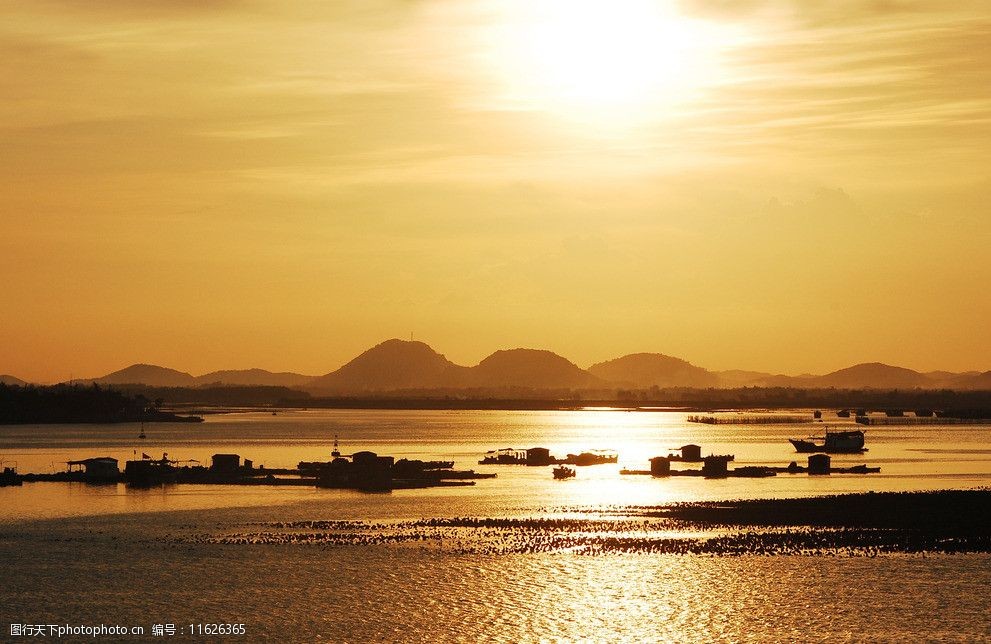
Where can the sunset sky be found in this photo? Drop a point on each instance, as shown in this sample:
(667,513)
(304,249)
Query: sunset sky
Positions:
(777,185)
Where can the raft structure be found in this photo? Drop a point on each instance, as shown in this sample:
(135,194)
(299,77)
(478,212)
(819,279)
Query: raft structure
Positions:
(716,466)
(541,456)
(361,471)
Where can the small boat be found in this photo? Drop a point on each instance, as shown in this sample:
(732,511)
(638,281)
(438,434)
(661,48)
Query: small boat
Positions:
(860,469)
(142,434)
(562,472)
(851,442)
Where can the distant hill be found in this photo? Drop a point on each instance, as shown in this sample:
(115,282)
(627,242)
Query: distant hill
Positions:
(873,375)
(401,364)
(532,368)
(733,378)
(147,374)
(253,377)
(11,380)
(396,365)
(391,365)
(870,375)
(969,381)
(943,376)
(645,370)
(795,382)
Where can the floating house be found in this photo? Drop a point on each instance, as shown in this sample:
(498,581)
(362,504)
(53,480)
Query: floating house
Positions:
(505,456)
(819,464)
(99,469)
(594,457)
(660,466)
(225,463)
(365,470)
(716,466)
(539,456)
(689,454)
(150,472)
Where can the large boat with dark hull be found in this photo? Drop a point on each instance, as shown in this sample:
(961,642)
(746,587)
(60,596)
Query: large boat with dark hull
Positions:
(846,442)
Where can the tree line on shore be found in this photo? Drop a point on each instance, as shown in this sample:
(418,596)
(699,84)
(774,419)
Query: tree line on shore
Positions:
(94,403)
(79,404)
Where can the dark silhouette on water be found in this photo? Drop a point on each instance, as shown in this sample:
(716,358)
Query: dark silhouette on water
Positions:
(842,442)
(366,470)
(689,454)
(716,466)
(9,475)
(541,456)
(101,469)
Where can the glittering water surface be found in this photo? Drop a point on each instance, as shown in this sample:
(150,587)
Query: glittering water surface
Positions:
(910,457)
(73,553)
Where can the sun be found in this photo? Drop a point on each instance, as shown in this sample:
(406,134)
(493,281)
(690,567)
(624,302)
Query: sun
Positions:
(622,62)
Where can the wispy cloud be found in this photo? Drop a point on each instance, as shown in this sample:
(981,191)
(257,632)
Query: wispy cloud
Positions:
(321,150)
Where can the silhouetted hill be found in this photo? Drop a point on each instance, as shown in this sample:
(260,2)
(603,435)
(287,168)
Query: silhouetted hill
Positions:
(869,375)
(781,380)
(396,365)
(11,380)
(872,375)
(254,377)
(147,374)
(741,378)
(653,369)
(393,364)
(943,376)
(533,368)
(969,381)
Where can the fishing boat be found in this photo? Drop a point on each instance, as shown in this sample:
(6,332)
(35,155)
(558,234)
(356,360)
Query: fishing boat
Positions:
(562,472)
(848,442)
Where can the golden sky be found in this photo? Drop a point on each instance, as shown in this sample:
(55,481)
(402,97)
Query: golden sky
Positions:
(778,185)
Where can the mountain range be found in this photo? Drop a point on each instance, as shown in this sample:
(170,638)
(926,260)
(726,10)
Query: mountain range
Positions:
(401,364)
(404,365)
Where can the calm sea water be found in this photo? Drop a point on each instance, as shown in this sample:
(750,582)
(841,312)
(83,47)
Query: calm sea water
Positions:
(81,554)
(910,457)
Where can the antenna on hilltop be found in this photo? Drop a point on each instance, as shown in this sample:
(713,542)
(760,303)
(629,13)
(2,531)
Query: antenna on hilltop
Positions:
(410,336)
